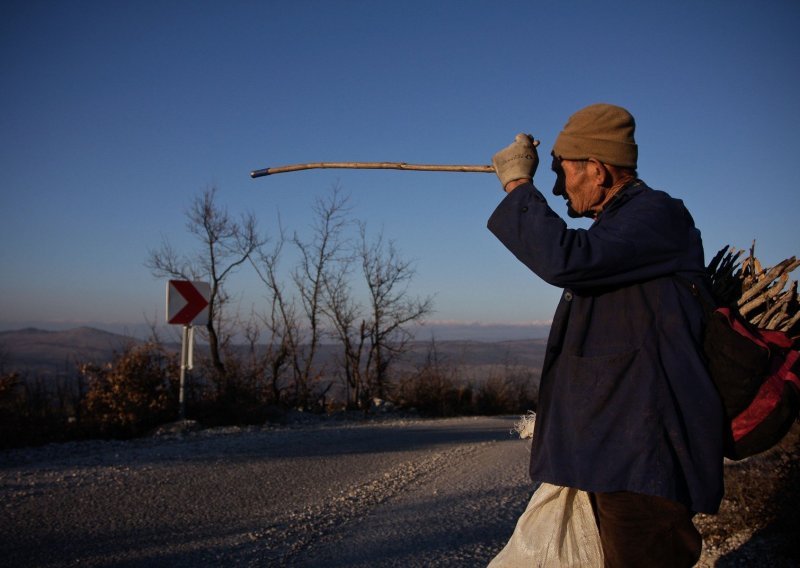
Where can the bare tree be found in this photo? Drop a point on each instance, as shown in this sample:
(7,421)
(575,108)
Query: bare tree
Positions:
(372,331)
(350,329)
(280,320)
(391,308)
(226,244)
(296,318)
(322,256)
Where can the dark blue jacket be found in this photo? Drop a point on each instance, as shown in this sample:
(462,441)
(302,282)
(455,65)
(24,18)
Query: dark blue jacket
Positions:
(625,400)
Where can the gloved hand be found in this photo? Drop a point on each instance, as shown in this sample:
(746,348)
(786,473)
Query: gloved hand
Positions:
(518,160)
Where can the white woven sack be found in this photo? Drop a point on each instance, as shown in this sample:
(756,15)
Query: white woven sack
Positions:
(557,530)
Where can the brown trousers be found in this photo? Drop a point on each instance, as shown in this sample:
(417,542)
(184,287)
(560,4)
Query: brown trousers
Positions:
(644,530)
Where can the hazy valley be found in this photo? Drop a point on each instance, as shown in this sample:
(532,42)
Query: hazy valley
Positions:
(37,352)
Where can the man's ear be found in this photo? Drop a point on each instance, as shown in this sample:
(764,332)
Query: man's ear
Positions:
(600,174)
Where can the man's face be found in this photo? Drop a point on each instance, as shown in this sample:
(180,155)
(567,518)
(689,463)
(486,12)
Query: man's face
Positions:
(577,186)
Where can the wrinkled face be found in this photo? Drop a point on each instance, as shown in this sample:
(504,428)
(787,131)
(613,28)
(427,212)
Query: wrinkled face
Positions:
(576,184)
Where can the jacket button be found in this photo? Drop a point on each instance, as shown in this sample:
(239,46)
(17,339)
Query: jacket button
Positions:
(568,296)
(524,209)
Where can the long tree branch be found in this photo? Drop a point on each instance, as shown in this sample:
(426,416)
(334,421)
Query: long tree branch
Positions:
(373,166)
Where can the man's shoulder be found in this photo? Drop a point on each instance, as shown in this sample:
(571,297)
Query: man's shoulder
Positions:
(638,189)
(639,205)
(640,194)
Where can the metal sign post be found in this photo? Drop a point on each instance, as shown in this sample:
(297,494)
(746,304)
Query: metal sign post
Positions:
(187,362)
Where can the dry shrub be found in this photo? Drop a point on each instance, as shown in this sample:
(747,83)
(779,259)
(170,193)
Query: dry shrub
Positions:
(436,390)
(10,384)
(132,394)
(31,414)
(13,411)
(433,390)
(506,393)
(238,396)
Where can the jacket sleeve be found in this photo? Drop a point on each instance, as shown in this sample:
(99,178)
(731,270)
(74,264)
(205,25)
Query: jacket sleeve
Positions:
(636,238)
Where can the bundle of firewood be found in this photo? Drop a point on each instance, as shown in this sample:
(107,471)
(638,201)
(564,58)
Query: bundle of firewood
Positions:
(764,296)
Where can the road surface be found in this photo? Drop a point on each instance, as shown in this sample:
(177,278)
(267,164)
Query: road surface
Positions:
(395,493)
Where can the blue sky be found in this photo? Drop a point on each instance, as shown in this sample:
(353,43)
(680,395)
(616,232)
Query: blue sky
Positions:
(116,114)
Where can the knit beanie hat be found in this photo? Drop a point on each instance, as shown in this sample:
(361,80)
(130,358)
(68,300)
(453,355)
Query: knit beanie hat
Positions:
(600,131)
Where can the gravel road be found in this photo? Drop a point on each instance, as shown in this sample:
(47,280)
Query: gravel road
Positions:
(394,493)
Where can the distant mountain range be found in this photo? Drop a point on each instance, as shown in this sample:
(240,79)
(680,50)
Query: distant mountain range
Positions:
(57,352)
(36,351)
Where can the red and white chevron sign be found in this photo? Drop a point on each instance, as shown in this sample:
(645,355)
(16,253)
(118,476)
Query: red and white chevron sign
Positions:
(187,302)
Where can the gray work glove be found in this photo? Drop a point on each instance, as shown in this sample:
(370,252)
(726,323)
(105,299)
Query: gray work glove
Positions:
(518,160)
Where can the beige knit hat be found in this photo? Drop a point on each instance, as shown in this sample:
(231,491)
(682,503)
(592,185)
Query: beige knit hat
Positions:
(600,131)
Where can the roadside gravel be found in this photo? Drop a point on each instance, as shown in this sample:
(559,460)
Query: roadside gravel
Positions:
(397,492)
(402,492)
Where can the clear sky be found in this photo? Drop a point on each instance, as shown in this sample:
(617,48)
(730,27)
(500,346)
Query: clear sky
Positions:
(114,115)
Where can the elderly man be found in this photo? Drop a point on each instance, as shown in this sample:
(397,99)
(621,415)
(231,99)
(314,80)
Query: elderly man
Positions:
(627,411)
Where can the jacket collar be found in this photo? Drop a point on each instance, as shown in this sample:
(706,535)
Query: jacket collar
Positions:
(634,188)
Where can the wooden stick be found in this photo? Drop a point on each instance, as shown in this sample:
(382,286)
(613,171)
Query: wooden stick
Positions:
(374,166)
(787,327)
(787,266)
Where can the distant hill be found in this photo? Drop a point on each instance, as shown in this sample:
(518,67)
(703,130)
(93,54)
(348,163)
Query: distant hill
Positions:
(477,360)
(41,352)
(528,352)
(56,352)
